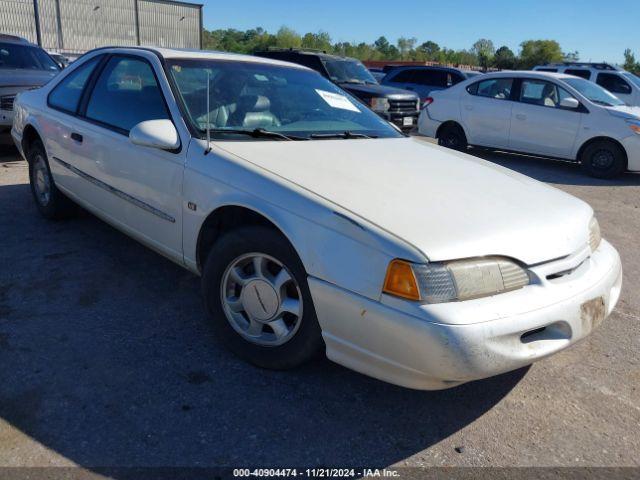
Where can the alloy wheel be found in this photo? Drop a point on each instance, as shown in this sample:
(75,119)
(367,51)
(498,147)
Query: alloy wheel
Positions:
(261,299)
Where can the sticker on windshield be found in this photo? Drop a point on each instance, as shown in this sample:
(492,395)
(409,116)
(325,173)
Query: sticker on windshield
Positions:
(336,100)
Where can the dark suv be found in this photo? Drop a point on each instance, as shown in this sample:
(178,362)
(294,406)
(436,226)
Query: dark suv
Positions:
(23,66)
(400,107)
(425,79)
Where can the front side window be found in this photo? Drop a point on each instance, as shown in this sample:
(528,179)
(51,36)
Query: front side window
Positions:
(593,92)
(632,78)
(25,57)
(542,93)
(66,95)
(614,83)
(248,96)
(498,88)
(126,93)
(578,72)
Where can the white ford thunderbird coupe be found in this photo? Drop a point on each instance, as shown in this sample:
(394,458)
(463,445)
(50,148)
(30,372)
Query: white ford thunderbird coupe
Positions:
(313,223)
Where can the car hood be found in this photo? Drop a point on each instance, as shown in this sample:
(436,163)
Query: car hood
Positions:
(368,91)
(626,112)
(448,205)
(24,78)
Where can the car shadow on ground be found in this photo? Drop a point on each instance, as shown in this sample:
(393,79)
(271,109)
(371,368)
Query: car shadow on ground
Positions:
(552,171)
(107,360)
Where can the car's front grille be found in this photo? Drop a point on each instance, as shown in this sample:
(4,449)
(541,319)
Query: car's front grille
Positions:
(6,102)
(405,106)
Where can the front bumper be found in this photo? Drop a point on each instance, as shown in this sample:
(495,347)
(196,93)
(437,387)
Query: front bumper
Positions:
(6,119)
(632,146)
(434,348)
(402,119)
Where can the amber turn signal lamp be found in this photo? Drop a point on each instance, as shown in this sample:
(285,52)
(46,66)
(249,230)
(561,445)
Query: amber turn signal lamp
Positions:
(400,281)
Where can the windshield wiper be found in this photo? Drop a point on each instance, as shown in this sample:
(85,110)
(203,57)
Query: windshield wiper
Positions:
(257,133)
(345,135)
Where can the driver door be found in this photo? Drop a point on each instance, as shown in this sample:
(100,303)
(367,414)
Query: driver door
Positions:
(139,188)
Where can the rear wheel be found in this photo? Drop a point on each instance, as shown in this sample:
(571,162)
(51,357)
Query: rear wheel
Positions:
(603,159)
(452,136)
(51,203)
(255,291)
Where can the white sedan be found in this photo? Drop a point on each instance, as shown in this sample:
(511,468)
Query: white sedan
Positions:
(314,223)
(545,114)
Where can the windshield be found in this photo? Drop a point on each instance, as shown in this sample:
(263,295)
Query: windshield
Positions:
(594,92)
(348,71)
(633,78)
(25,57)
(288,100)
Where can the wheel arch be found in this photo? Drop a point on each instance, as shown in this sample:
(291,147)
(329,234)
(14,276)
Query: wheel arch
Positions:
(450,123)
(230,217)
(29,135)
(600,138)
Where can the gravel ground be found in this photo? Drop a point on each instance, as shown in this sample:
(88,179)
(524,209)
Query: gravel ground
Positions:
(106,360)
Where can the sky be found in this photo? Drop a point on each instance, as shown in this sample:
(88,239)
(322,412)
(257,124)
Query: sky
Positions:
(598,30)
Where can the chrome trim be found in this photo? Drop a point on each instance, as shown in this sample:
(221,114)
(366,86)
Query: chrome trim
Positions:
(116,192)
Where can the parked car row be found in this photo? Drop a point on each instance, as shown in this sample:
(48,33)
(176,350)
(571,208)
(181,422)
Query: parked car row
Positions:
(400,107)
(539,113)
(22,66)
(314,223)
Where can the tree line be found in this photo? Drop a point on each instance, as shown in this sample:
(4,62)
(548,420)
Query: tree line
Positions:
(482,53)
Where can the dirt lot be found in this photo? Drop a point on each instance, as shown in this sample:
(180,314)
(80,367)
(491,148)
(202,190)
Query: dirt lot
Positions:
(106,360)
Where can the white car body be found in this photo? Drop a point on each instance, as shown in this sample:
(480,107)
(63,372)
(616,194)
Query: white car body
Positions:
(350,207)
(534,129)
(624,85)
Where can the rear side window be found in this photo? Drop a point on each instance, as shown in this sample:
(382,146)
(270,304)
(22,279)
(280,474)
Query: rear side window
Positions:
(126,94)
(405,76)
(614,83)
(66,95)
(498,88)
(435,78)
(578,72)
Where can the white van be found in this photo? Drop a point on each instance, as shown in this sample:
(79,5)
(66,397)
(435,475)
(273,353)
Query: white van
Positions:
(624,85)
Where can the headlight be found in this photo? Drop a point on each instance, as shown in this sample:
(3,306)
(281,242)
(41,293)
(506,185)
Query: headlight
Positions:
(595,237)
(455,280)
(380,105)
(634,125)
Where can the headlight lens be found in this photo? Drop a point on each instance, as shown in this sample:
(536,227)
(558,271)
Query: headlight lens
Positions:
(595,237)
(457,280)
(634,125)
(380,105)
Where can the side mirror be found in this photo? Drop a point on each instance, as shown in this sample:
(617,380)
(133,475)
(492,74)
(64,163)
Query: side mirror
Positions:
(570,102)
(159,134)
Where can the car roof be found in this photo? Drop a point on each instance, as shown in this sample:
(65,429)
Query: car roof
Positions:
(314,53)
(192,54)
(395,68)
(526,74)
(15,39)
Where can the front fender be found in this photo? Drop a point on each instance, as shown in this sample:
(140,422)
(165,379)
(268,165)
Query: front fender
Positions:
(332,245)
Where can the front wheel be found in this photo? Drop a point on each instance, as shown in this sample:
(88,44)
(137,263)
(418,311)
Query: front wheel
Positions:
(255,291)
(603,159)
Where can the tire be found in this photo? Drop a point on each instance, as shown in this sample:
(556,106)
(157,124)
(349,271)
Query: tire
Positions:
(453,137)
(51,203)
(603,159)
(243,318)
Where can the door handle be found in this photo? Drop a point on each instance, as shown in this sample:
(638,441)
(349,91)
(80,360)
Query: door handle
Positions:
(77,137)
(468,107)
(521,116)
